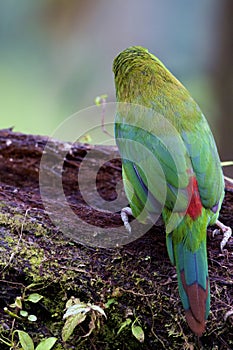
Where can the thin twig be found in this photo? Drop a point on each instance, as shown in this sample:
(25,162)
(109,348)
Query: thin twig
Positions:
(228,179)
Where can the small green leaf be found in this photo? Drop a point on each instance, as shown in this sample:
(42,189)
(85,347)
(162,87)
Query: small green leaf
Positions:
(12,305)
(97,308)
(46,344)
(124,325)
(32,318)
(100,99)
(110,302)
(18,302)
(85,138)
(23,313)
(72,301)
(138,333)
(25,340)
(34,297)
(70,325)
(76,309)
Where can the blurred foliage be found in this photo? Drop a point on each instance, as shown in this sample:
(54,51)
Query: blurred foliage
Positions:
(56,56)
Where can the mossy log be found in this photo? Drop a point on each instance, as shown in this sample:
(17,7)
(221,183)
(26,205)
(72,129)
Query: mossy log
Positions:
(137,277)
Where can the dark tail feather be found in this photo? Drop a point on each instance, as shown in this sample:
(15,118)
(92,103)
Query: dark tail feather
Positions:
(196,313)
(193,282)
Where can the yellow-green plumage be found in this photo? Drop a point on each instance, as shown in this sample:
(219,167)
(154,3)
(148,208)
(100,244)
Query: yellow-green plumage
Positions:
(170,165)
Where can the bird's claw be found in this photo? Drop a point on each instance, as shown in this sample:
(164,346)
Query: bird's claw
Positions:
(125,213)
(227,233)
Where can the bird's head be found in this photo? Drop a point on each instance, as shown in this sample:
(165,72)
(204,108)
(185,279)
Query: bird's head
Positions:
(136,70)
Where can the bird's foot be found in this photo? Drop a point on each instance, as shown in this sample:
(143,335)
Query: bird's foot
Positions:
(125,213)
(227,233)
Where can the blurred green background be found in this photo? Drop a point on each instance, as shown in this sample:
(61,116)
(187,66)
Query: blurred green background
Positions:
(56,56)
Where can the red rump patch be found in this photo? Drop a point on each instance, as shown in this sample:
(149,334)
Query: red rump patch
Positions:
(195,205)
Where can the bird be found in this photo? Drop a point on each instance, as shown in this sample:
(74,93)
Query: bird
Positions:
(170,168)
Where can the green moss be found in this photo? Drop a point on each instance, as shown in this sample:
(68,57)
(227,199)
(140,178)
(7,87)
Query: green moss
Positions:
(18,222)
(25,252)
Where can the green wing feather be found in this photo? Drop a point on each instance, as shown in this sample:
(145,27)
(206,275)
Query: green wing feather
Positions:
(206,163)
(162,168)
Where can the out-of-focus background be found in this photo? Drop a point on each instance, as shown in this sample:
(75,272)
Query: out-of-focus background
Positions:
(56,56)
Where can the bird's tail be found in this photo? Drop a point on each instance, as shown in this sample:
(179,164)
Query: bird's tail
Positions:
(193,282)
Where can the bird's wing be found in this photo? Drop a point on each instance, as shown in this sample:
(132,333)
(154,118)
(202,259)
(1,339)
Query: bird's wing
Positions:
(155,165)
(205,160)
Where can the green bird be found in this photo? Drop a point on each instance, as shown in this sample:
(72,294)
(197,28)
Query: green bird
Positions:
(170,165)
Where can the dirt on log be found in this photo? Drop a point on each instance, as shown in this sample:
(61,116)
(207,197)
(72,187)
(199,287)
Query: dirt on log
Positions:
(58,257)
